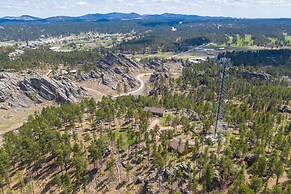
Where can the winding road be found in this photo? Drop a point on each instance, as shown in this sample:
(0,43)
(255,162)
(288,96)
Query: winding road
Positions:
(134,92)
(141,87)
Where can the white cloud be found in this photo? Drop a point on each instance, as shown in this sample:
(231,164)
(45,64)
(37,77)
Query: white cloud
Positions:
(81,3)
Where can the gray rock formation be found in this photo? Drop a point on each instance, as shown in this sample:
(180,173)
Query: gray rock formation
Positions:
(113,69)
(154,64)
(117,68)
(157,91)
(7,86)
(22,91)
(161,73)
(87,76)
(249,75)
(112,60)
(138,180)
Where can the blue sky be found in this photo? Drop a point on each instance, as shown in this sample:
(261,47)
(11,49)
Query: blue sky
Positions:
(233,8)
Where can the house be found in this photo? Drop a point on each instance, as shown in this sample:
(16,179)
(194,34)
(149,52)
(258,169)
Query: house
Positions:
(63,72)
(179,145)
(156,111)
(74,71)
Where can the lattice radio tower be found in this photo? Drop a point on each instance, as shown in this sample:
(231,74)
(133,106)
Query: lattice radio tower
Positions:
(219,125)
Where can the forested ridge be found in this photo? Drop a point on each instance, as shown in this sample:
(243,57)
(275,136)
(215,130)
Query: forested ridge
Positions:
(94,143)
(43,58)
(157,34)
(276,62)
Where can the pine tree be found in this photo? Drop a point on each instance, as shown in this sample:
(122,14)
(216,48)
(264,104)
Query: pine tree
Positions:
(256,184)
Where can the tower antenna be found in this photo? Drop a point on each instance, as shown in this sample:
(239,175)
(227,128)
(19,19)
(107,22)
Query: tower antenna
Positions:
(219,126)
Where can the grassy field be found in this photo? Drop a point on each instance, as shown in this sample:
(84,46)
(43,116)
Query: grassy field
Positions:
(15,118)
(162,55)
(248,39)
(242,41)
(288,38)
(273,40)
(120,132)
(230,40)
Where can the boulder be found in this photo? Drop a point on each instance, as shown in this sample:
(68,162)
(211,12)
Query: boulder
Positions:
(284,108)
(167,173)
(147,188)
(118,70)
(94,74)
(161,73)
(184,191)
(138,180)
(3,96)
(124,164)
(4,108)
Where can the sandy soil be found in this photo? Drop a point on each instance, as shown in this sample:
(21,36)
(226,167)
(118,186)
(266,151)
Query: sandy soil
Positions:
(13,119)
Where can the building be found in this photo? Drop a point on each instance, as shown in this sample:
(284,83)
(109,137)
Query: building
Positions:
(179,145)
(156,111)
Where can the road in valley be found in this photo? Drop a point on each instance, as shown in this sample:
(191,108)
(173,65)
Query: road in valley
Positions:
(141,87)
(134,92)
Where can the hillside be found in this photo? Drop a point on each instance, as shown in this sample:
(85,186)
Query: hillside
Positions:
(114,146)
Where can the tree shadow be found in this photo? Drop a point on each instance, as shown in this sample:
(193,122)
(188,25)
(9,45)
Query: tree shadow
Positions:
(120,185)
(48,186)
(91,174)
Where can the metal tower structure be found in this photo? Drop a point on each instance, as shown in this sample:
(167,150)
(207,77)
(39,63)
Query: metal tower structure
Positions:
(219,126)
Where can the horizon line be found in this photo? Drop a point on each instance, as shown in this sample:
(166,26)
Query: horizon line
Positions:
(145,14)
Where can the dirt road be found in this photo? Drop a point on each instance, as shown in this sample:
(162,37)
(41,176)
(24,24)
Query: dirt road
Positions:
(141,87)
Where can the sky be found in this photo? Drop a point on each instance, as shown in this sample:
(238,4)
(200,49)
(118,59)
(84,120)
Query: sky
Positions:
(230,8)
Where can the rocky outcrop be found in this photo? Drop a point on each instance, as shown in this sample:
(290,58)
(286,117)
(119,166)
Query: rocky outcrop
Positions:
(154,64)
(7,86)
(29,91)
(157,91)
(161,73)
(86,76)
(249,75)
(117,68)
(22,91)
(284,108)
(113,60)
(113,69)
(50,89)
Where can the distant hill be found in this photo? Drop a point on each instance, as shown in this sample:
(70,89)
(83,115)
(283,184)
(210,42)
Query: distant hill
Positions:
(21,18)
(108,16)
(59,19)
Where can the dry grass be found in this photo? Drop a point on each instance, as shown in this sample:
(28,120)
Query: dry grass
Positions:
(13,119)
